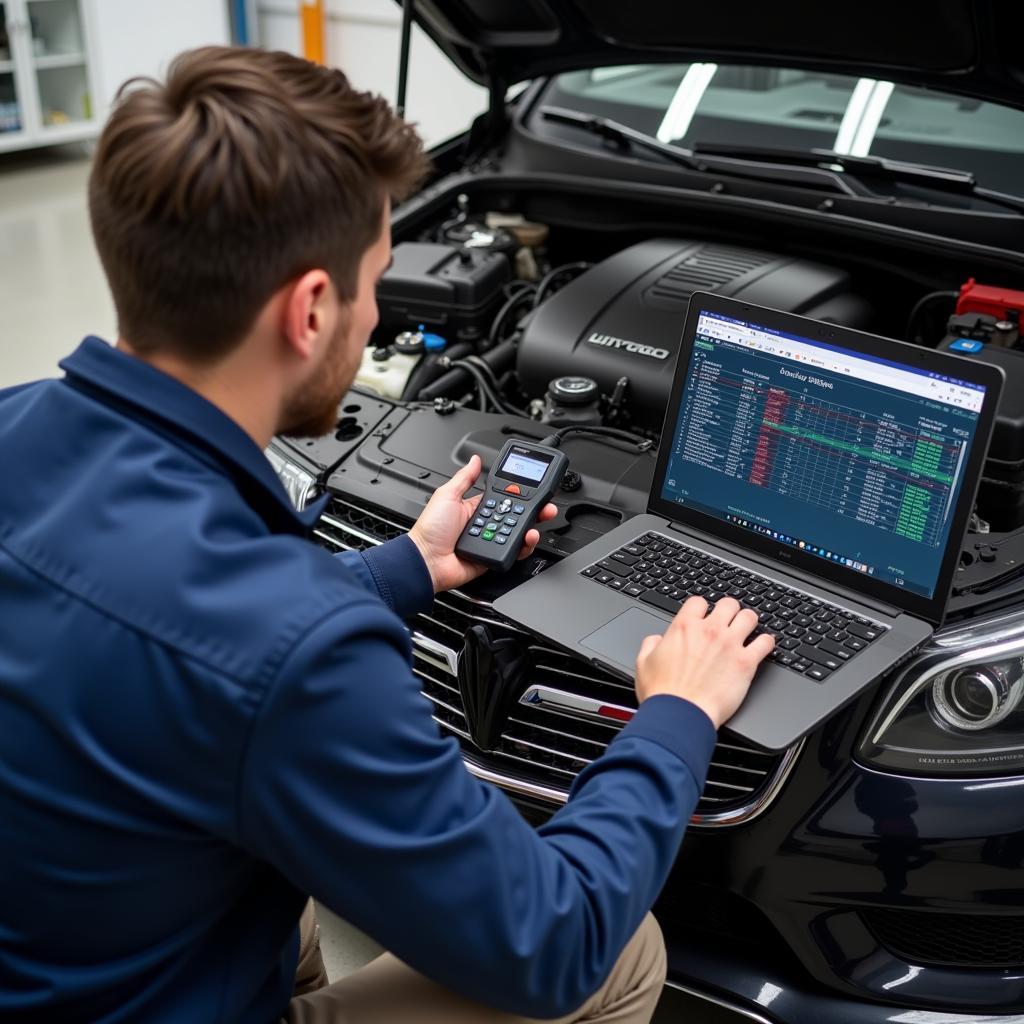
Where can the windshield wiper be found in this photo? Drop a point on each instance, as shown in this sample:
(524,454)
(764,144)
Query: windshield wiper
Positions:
(620,135)
(820,169)
(864,169)
(625,138)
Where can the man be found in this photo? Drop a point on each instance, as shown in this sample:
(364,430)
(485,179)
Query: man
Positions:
(205,719)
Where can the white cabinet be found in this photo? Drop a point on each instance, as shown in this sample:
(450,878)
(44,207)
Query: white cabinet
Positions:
(47,89)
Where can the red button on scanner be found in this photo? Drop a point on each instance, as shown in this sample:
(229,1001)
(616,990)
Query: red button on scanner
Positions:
(513,489)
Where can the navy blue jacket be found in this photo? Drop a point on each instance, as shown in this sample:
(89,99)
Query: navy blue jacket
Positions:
(205,718)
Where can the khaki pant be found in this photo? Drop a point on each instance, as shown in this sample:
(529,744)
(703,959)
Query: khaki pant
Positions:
(387,992)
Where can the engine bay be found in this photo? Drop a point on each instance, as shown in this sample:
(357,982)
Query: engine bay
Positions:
(493,325)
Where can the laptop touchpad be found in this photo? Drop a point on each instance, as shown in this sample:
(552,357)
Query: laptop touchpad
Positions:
(620,639)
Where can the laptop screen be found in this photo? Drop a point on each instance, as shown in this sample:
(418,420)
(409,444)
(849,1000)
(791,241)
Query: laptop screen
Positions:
(854,459)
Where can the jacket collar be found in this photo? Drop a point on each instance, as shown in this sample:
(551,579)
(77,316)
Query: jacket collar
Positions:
(148,395)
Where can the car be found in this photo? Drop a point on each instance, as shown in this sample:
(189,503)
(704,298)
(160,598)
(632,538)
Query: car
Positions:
(865,168)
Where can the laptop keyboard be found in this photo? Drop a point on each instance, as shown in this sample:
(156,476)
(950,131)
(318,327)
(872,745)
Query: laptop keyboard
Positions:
(812,637)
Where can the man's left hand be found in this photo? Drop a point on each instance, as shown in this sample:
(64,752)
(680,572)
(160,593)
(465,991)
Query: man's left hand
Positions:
(442,521)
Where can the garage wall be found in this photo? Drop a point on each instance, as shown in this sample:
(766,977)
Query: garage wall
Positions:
(362,38)
(140,37)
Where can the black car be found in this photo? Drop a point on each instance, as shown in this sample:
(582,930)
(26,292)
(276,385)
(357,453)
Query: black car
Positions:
(863,166)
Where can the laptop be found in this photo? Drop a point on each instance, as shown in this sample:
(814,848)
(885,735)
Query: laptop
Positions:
(818,474)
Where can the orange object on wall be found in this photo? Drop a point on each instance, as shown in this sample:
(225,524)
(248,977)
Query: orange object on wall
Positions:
(312,12)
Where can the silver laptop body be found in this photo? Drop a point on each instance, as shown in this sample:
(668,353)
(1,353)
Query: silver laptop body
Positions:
(832,467)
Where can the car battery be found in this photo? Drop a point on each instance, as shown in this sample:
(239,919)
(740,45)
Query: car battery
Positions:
(456,291)
(1002,485)
(1006,305)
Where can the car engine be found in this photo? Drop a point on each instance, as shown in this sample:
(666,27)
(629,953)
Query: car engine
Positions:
(619,322)
(584,344)
(482,312)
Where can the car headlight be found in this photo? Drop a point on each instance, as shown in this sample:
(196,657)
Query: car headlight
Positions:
(958,708)
(300,485)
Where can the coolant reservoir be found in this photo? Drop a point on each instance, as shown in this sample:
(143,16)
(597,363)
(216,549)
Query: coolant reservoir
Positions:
(387,370)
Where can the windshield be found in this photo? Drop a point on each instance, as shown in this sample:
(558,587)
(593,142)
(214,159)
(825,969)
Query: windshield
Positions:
(689,104)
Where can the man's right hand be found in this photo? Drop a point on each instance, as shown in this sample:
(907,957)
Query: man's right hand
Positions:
(703,659)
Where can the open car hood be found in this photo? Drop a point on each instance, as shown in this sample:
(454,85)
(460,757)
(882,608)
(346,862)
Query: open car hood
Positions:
(970,47)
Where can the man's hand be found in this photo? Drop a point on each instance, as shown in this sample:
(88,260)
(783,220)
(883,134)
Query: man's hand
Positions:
(704,659)
(442,521)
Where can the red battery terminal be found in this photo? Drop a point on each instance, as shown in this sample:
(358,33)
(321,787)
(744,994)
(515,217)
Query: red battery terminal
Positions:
(1002,303)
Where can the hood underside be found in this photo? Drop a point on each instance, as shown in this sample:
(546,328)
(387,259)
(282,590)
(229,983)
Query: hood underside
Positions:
(970,47)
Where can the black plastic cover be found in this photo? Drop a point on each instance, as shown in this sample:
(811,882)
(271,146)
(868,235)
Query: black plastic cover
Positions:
(442,286)
(414,450)
(624,317)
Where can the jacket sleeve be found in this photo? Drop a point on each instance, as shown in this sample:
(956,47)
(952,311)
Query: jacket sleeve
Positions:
(351,792)
(396,571)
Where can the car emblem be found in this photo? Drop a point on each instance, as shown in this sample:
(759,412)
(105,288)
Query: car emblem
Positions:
(492,674)
(625,345)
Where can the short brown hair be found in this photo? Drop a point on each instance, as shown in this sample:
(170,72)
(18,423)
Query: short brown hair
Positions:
(243,171)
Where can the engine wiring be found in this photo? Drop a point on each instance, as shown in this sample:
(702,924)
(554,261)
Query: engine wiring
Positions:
(486,392)
(919,307)
(522,296)
(555,438)
(485,368)
(547,281)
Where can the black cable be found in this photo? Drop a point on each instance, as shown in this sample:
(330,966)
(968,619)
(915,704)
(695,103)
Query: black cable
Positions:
(485,388)
(526,289)
(440,233)
(919,306)
(555,439)
(494,390)
(493,336)
(511,288)
(485,368)
(549,277)
(500,358)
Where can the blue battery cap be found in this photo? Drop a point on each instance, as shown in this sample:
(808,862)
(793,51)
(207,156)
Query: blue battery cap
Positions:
(966,345)
(432,342)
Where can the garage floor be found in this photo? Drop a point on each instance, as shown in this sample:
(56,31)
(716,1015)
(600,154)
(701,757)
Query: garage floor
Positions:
(52,290)
(53,293)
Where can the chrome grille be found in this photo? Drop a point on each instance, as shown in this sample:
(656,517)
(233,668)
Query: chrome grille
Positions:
(354,528)
(542,750)
(736,773)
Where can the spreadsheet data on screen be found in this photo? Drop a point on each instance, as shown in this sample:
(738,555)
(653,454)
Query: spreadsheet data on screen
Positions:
(856,459)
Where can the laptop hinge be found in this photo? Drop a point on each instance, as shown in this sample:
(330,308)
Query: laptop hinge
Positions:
(851,595)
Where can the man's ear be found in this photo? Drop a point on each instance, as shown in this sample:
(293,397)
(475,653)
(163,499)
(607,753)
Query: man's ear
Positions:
(309,313)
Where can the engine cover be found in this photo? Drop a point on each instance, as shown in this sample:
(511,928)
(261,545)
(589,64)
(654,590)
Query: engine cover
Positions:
(624,317)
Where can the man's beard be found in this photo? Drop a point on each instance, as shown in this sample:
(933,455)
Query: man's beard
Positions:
(313,411)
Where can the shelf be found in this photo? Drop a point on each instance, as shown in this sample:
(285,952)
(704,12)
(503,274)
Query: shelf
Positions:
(72,131)
(58,60)
(74,127)
(51,135)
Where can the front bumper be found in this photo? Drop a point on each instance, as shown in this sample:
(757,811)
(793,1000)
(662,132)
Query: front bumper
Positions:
(784,918)
(750,992)
(940,857)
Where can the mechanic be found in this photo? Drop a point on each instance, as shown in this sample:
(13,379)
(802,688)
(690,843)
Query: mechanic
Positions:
(205,718)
